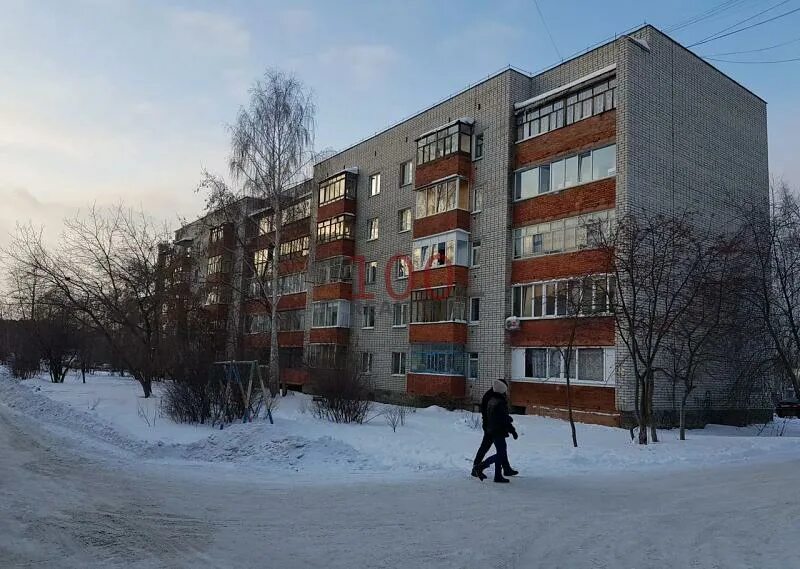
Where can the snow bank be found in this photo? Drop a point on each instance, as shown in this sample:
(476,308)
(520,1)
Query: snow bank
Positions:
(110,411)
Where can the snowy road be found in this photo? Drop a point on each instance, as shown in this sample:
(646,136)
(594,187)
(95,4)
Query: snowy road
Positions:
(60,508)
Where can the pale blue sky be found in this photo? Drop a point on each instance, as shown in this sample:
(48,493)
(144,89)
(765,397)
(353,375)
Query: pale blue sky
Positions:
(102,99)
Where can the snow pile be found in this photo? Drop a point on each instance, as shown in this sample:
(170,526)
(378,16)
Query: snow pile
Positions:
(110,411)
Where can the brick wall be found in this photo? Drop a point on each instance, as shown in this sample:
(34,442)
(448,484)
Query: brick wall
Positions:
(331,291)
(458,163)
(437,333)
(441,222)
(546,332)
(560,265)
(588,398)
(586,198)
(329,336)
(431,385)
(449,275)
(345,205)
(341,247)
(582,135)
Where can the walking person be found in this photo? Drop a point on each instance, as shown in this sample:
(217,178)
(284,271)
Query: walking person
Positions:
(497,425)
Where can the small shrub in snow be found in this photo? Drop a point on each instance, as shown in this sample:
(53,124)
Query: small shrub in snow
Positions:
(393,417)
(148,414)
(342,396)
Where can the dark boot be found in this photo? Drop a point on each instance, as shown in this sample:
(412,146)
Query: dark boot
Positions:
(508,471)
(478,473)
(501,480)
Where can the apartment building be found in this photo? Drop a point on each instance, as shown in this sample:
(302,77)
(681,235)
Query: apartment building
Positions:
(437,253)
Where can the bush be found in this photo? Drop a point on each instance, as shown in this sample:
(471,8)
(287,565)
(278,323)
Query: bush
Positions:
(212,400)
(342,396)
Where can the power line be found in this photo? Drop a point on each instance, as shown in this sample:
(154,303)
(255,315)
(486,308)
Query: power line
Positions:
(757,62)
(721,35)
(777,45)
(710,13)
(536,3)
(749,18)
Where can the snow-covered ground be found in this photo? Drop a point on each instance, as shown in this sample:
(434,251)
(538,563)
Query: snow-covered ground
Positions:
(86,482)
(109,411)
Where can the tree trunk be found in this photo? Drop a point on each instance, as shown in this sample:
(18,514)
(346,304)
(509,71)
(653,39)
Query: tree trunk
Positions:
(643,418)
(147,387)
(569,413)
(682,419)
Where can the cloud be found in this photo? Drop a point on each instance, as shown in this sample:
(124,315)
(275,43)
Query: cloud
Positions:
(210,32)
(362,63)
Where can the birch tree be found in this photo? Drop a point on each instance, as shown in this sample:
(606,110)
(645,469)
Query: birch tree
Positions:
(271,152)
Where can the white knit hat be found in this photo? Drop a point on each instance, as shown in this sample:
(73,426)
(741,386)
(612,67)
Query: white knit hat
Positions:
(499,386)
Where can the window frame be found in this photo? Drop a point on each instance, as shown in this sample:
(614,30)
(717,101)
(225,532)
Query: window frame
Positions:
(406,173)
(373,223)
(473,305)
(402,364)
(368,317)
(374,188)
(404,312)
(401,228)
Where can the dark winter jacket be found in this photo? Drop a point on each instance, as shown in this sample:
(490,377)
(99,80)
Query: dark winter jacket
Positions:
(498,421)
(484,402)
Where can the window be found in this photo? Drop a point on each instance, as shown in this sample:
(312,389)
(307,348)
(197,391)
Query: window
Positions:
(401,268)
(472,368)
(290,357)
(369,317)
(375,184)
(445,141)
(216,234)
(294,248)
(477,199)
(266,225)
(477,151)
(338,187)
(437,358)
(371,272)
(591,365)
(287,284)
(398,363)
(442,304)
(406,173)
(584,296)
(334,270)
(474,309)
(216,264)
(562,235)
(373,227)
(451,248)
(366,362)
(339,227)
(331,313)
(400,314)
(262,262)
(329,356)
(573,170)
(216,295)
(443,196)
(404,220)
(297,211)
(475,258)
(292,320)
(257,324)
(587,102)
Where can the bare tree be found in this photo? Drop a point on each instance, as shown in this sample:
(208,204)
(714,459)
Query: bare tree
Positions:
(585,296)
(271,152)
(654,260)
(773,245)
(105,270)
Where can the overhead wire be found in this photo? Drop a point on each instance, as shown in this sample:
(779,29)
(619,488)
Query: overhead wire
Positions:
(720,35)
(547,29)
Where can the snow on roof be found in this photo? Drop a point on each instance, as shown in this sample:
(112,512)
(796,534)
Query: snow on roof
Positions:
(467,120)
(562,88)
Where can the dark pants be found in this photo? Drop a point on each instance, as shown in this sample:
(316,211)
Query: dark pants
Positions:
(499,458)
(486,444)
